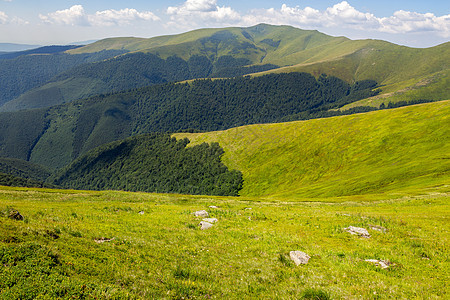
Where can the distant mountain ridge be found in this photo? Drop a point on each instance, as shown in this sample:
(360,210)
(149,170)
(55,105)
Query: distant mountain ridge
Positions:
(11,47)
(413,73)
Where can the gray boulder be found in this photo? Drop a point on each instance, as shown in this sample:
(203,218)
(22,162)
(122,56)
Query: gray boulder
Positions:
(210,220)
(384,264)
(201,213)
(299,257)
(205,225)
(362,232)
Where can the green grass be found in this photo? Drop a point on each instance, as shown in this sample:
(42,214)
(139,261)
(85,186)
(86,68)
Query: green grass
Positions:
(163,254)
(363,154)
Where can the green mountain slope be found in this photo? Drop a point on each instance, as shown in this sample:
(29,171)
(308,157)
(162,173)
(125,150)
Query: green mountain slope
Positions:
(252,50)
(55,136)
(375,152)
(412,73)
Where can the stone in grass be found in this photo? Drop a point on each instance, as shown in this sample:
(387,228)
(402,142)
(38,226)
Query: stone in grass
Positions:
(201,213)
(15,215)
(299,257)
(213,206)
(103,239)
(384,264)
(378,228)
(358,231)
(210,220)
(141,212)
(205,225)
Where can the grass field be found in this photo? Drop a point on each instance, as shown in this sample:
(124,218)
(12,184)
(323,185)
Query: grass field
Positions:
(153,248)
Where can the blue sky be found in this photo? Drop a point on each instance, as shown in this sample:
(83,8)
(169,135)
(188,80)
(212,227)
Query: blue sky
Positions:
(412,23)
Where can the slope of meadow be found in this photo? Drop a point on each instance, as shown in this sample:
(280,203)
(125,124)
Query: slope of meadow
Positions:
(117,245)
(376,152)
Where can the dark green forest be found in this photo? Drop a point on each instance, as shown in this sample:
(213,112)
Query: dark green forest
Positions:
(23,169)
(10,180)
(153,163)
(51,76)
(56,136)
(136,70)
(22,73)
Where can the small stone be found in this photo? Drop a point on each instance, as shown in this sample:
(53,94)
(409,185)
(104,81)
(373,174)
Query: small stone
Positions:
(210,220)
(141,212)
(358,231)
(15,215)
(213,206)
(384,264)
(103,239)
(299,257)
(248,208)
(205,225)
(378,228)
(201,213)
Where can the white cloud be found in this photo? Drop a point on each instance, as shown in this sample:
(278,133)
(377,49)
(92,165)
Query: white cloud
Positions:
(202,12)
(405,22)
(3,18)
(76,16)
(71,16)
(343,15)
(121,17)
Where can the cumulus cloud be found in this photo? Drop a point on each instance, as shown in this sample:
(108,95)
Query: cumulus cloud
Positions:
(202,12)
(76,16)
(121,17)
(343,15)
(3,18)
(405,21)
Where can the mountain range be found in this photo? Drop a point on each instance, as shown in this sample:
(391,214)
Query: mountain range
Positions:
(58,103)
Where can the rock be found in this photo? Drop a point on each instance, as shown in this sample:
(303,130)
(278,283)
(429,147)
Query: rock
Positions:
(384,264)
(141,212)
(205,225)
(213,206)
(299,257)
(201,213)
(248,208)
(15,215)
(102,240)
(210,220)
(378,228)
(358,231)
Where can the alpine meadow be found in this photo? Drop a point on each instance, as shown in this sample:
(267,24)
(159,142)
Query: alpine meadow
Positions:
(262,162)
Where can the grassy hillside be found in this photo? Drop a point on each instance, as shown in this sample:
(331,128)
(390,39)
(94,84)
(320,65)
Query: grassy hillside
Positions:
(82,125)
(299,50)
(403,73)
(376,152)
(116,245)
(253,49)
